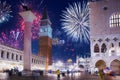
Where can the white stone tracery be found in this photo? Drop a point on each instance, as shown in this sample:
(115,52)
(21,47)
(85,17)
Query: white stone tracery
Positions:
(109,55)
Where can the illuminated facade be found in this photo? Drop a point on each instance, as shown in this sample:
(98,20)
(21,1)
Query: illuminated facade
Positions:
(105,34)
(11,58)
(83,62)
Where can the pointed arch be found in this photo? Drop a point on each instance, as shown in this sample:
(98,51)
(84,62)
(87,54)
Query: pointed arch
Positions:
(103,48)
(96,48)
(111,45)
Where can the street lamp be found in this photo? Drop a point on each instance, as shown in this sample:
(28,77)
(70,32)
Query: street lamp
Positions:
(59,63)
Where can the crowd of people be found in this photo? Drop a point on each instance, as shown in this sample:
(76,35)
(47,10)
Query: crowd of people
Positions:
(100,73)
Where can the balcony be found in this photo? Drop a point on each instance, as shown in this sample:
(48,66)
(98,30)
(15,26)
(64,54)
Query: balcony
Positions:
(99,54)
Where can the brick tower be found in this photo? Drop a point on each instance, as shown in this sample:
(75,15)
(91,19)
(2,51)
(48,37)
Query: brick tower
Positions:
(45,39)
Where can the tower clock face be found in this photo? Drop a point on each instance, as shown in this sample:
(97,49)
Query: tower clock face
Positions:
(46,31)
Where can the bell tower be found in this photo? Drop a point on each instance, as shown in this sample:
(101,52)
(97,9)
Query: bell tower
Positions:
(45,39)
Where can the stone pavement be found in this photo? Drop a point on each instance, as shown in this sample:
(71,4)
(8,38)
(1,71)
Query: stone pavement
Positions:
(54,77)
(67,77)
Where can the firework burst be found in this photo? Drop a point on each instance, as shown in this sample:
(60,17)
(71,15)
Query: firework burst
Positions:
(14,38)
(36,24)
(5,11)
(75,22)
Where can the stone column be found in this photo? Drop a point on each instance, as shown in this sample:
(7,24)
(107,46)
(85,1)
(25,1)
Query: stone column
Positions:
(28,17)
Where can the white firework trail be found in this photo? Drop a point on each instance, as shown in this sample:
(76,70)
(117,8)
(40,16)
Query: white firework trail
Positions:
(5,11)
(75,22)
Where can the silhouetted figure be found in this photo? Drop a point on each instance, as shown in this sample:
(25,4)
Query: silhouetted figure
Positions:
(68,72)
(58,74)
(101,74)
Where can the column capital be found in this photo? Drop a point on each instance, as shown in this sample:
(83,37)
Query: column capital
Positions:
(28,16)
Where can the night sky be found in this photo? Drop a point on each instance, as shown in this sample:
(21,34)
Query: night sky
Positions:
(54,7)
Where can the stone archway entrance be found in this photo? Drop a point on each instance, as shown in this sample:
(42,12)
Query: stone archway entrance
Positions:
(100,65)
(115,66)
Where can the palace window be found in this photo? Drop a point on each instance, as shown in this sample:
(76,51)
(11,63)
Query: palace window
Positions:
(103,48)
(2,54)
(32,60)
(12,56)
(112,45)
(119,44)
(96,48)
(16,57)
(20,57)
(7,55)
(115,20)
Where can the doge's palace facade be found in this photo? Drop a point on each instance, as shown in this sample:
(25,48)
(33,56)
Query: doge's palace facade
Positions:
(105,34)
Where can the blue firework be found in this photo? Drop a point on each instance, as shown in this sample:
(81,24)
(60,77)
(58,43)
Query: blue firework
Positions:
(75,22)
(5,11)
